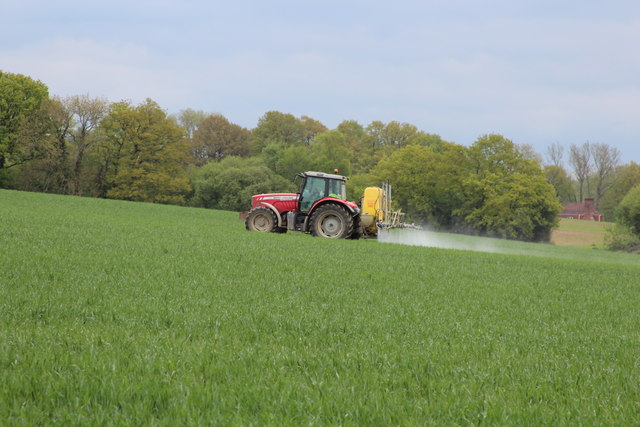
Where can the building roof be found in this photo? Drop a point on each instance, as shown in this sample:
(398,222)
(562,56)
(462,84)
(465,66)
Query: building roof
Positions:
(583,208)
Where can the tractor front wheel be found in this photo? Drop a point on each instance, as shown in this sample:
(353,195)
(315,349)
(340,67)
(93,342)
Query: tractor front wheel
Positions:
(331,220)
(262,219)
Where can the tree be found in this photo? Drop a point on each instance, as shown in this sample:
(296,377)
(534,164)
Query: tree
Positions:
(288,161)
(48,130)
(628,211)
(361,154)
(517,206)
(278,127)
(330,151)
(149,153)
(558,177)
(506,194)
(427,183)
(86,113)
(20,99)
(311,128)
(393,135)
(580,160)
(230,183)
(555,153)
(529,152)
(605,161)
(216,138)
(190,120)
(625,178)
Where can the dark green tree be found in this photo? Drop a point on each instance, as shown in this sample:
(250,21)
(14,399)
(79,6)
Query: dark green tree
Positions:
(330,152)
(48,133)
(507,194)
(311,128)
(20,100)
(277,127)
(628,211)
(624,179)
(427,184)
(288,161)
(362,160)
(216,137)
(230,183)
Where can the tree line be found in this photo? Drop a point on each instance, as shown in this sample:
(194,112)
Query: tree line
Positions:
(88,146)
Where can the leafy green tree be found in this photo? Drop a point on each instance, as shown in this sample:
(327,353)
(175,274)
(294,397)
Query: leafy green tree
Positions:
(48,133)
(330,151)
(149,153)
(429,140)
(427,184)
(119,129)
(628,211)
(190,120)
(624,179)
(277,127)
(362,159)
(381,140)
(20,99)
(216,138)
(558,177)
(288,161)
(359,182)
(506,194)
(516,206)
(311,128)
(230,183)
(528,152)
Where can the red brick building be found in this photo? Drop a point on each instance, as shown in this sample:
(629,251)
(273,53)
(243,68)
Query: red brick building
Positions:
(585,210)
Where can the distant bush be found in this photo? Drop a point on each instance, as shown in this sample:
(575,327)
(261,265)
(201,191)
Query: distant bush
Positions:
(620,238)
(628,211)
(230,183)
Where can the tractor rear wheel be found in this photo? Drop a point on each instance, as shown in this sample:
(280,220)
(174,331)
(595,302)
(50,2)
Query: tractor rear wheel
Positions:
(262,219)
(331,220)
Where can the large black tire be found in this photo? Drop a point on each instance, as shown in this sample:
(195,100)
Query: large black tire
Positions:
(262,219)
(333,221)
(357,228)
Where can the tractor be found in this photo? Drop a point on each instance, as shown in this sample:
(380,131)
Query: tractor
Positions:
(320,207)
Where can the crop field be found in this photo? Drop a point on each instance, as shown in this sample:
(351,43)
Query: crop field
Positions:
(573,232)
(125,313)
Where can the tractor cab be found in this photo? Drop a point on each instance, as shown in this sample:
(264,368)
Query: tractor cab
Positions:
(315,186)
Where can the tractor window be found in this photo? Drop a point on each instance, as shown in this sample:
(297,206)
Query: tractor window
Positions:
(336,189)
(314,190)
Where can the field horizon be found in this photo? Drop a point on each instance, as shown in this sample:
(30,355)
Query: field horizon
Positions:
(117,312)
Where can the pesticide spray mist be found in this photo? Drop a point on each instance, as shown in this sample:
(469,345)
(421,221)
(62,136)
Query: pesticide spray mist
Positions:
(437,240)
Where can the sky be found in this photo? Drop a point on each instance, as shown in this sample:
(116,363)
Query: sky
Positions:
(536,71)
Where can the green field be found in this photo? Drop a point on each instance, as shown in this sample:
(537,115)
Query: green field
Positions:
(573,232)
(125,313)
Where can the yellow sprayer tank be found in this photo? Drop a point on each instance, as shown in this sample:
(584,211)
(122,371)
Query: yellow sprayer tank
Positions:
(372,207)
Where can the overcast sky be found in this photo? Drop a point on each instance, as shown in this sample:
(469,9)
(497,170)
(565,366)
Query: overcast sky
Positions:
(536,71)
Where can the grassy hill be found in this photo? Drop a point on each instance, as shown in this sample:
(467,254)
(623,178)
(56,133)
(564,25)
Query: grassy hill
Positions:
(115,312)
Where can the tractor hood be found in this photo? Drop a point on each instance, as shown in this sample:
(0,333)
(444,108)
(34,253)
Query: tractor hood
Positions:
(275,196)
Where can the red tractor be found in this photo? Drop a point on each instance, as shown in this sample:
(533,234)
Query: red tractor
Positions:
(320,207)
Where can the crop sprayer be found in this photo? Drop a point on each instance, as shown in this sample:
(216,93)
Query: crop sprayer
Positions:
(321,208)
